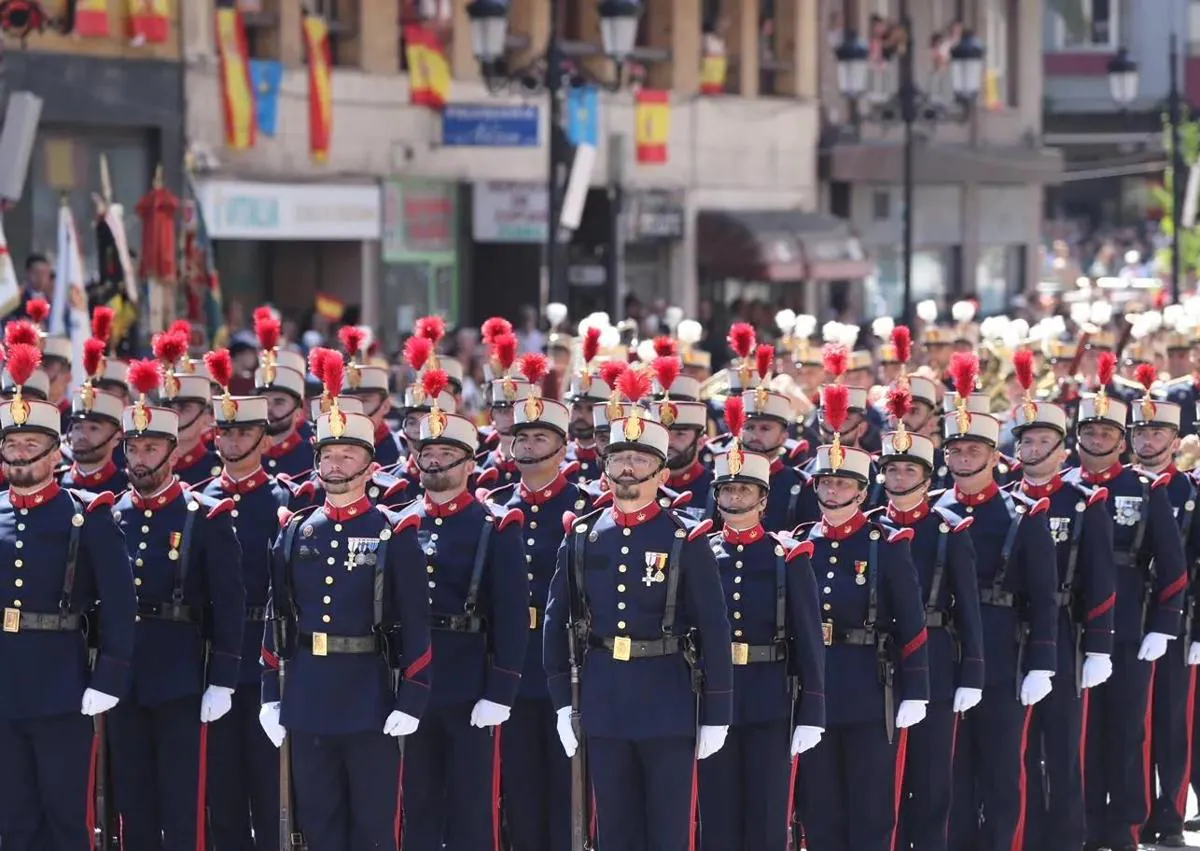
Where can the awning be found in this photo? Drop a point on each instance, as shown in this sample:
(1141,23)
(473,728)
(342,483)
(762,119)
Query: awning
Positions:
(778,245)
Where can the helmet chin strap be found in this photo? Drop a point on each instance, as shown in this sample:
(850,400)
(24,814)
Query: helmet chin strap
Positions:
(341,480)
(28,461)
(637,481)
(237,459)
(892,494)
(971,474)
(1150,459)
(153,469)
(448,467)
(1033,462)
(836,506)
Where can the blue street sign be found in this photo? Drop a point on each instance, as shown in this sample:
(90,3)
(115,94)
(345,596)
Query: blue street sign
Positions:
(490,126)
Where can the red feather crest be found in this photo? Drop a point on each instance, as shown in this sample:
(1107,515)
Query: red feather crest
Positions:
(666,370)
(1145,374)
(183,328)
(352,338)
(145,376)
(38,309)
(964,369)
(23,359)
(902,340)
(835,403)
(417,350)
(611,372)
(899,401)
(494,327)
(102,320)
(433,382)
(504,350)
(333,373)
(835,358)
(735,415)
(267,328)
(220,367)
(665,346)
(1106,367)
(316,362)
(635,384)
(1023,365)
(262,312)
(21,333)
(432,328)
(591,344)
(169,346)
(764,358)
(534,367)
(741,338)
(93,355)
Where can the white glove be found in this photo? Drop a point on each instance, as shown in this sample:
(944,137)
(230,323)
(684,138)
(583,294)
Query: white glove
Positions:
(1035,686)
(966,698)
(95,702)
(710,740)
(487,713)
(1194,653)
(806,738)
(400,724)
(1154,645)
(911,712)
(216,702)
(1097,668)
(268,719)
(566,734)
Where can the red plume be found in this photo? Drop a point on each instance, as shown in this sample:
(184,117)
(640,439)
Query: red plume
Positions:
(591,344)
(741,338)
(20,333)
(665,347)
(262,312)
(1106,367)
(433,382)
(899,401)
(144,375)
(220,366)
(93,354)
(836,405)
(316,363)
(23,359)
(417,350)
(495,327)
(169,346)
(902,340)
(964,369)
(183,328)
(333,372)
(611,372)
(666,370)
(1145,374)
(735,415)
(764,357)
(352,338)
(635,384)
(432,328)
(1023,365)
(835,358)
(504,350)
(534,367)
(102,319)
(37,309)
(267,327)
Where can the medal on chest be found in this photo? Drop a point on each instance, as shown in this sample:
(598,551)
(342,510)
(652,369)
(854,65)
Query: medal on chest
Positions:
(361,551)
(1127,510)
(860,573)
(656,566)
(1060,529)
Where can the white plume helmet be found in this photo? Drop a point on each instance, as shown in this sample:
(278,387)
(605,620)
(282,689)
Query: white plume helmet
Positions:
(994,328)
(785,321)
(1020,328)
(927,310)
(672,316)
(1191,306)
(1056,326)
(610,337)
(1101,312)
(556,313)
(1139,330)
(594,320)
(849,336)
(963,311)
(805,325)
(689,332)
(1153,320)
(645,350)
(831,332)
(1081,311)
(882,327)
(1172,314)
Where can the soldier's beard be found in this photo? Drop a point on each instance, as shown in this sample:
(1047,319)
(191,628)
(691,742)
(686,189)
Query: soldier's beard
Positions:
(87,454)
(625,490)
(27,476)
(681,460)
(337,486)
(147,480)
(280,426)
(581,430)
(438,481)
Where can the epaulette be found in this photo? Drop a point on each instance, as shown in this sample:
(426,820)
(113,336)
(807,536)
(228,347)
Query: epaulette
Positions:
(1093,495)
(570,468)
(952,520)
(804,528)
(792,548)
(896,536)
(285,516)
(700,530)
(1032,507)
(481,495)
(572,523)
(223,507)
(491,439)
(506,517)
(1183,382)
(799,449)
(682,499)
(487,477)
(603,499)
(100,500)
(410,519)
(1160,481)
(399,487)
(1125,384)
(937,493)
(497,495)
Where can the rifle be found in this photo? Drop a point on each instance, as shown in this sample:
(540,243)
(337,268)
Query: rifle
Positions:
(290,839)
(581,799)
(105,837)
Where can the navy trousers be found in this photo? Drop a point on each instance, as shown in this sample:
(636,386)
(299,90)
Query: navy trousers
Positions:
(44,784)
(451,782)
(1116,778)
(929,780)
(644,785)
(989,774)
(745,790)
(347,791)
(849,788)
(1171,737)
(243,778)
(155,754)
(536,777)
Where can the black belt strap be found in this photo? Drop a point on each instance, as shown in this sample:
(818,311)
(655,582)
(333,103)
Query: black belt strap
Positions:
(1067,591)
(673,571)
(1010,541)
(753,654)
(185,543)
(933,602)
(380,575)
(458,623)
(860,637)
(793,498)
(179,612)
(639,649)
(1139,533)
(780,597)
(343,644)
(481,551)
(56,622)
(68,587)
(257,614)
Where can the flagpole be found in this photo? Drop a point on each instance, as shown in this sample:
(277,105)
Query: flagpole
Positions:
(554,288)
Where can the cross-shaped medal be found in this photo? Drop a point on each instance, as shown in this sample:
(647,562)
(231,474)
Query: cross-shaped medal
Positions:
(350,559)
(648,579)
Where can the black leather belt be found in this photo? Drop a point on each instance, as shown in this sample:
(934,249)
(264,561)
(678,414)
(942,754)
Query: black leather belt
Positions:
(1064,599)
(937,619)
(168,612)
(992,597)
(323,644)
(861,637)
(752,654)
(623,649)
(458,623)
(257,614)
(1123,559)
(16,620)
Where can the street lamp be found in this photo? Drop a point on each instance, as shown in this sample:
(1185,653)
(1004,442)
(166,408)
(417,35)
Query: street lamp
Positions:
(910,105)
(1123,78)
(555,73)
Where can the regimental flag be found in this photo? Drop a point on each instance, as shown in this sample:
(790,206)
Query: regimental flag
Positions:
(330,307)
(10,287)
(68,276)
(653,117)
(149,21)
(991,90)
(91,18)
(267,78)
(712,74)
(237,88)
(199,270)
(583,115)
(320,87)
(428,69)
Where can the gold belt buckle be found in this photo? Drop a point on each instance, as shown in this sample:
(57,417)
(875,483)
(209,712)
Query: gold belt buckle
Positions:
(827,633)
(622,648)
(12,620)
(741,653)
(320,644)
(533,613)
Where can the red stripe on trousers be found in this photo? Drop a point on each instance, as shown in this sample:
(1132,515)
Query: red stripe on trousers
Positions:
(1181,796)
(1147,724)
(496,788)
(91,790)
(201,792)
(1019,834)
(1087,693)
(692,808)
(898,780)
(791,805)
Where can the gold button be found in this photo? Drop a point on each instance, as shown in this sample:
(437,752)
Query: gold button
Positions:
(141,546)
(333,544)
(621,568)
(137,580)
(18,582)
(970,509)
(833,544)
(624,551)
(827,590)
(429,568)
(826,607)
(833,559)
(148,513)
(18,563)
(737,595)
(22,543)
(621,589)
(327,600)
(737,633)
(621,606)
(737,616)
(532,524)
(620,624)
(328,580)
(326,618)
(330,560)
(437,521)
(534,509)
(337,527)
(626,531)
(530,575)
(17,603)
(237,497)
(139,562)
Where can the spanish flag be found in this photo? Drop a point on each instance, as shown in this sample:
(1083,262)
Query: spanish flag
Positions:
(428,70)
(237,90)
(91,18)
(320,87)
(653,126)
(149,21)
(330,307)
(712,74)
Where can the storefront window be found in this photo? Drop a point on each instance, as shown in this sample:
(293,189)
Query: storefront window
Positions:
(933,272)
(999,275)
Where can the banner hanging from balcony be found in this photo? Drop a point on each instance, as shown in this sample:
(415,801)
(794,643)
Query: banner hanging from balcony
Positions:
(653,116)
(237,89)
(91,19)
(149,21)
(714,66)
(266,75)
(428,69)
(320,87)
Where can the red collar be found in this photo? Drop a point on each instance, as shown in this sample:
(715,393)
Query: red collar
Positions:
(977,498)
(106,472)
(448,509)
(585,453)
(686,477)
(33,500)
(505,465)
(252,482)
(1044,490)
(411,469)
(844,531)
(163,498)
(192,457)
(545,494)
(1104,475)
(382,432)
(776,464)
(743,536)
(64,404)
(648,512)
(340,514)
(285,446)
(908,518)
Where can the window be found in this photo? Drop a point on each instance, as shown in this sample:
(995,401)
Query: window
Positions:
(999,276)
(341,16)
(1096,29)
(261,20)
(933,271)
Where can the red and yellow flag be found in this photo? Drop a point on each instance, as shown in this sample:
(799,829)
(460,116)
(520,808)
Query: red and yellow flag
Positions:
(91,18)
(237,91)
(428,69)
(149,21)
(320,87)
(712,74)
(653,118)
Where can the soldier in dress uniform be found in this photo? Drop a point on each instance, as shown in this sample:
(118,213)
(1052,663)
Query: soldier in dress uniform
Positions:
(1081,529)
(1150,582)
(1019,608)
(588,390)
(746,788)
(370,383)
(94,431)
(279,379)
(656,685)
(505,391)
(945,561)
(243,767)
(480,634)
(188,642)
(190,396)
(52,683)
(686,420)
(346,651)
(417,405)
(873,627)
(1181,387)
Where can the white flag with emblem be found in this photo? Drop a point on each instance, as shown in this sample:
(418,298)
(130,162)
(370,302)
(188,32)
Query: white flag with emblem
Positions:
(10,287)
(69,307)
